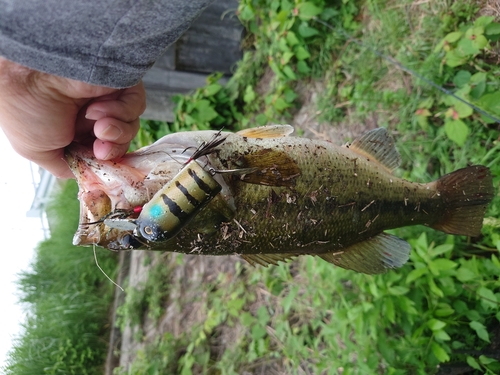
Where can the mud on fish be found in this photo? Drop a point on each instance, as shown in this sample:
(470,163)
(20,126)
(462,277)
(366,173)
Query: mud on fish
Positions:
(280,197)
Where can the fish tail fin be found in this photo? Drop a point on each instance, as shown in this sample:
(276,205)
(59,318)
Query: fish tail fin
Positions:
(466,194)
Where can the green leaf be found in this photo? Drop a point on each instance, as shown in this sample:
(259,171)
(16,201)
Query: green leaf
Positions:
(467,47)
(389,310)
(291,38)
(205,112)
(473,32)
(488,298)
(478,90)
(480,42)
(444,264)
(416,274)
(439,352)
(280,104)
(453,37)
(249,94)
(434,289)
(435,324)
(398,290)
(492,29)
(441,335)
(480,330)
(289,72)
(308,10)
(457,131)
(486,360)
(286,57)
(246,13)
(258,332)
(212,89)
(461,78)
(477,78)
(301,53)
(491,102)
(307,31)
(302,67)
(464,274)
(473,363)
(453,58)
(441,249)
(444,311)
(483,21)
(463,110)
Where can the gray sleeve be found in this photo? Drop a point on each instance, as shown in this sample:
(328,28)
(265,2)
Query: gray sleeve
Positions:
(103,42)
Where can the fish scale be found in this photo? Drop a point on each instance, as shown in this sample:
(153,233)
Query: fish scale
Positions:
(353,199)
(285,196)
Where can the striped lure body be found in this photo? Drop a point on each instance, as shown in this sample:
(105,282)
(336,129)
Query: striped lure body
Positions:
(179,201)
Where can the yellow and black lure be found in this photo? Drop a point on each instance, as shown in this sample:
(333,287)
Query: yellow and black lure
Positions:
(179,201)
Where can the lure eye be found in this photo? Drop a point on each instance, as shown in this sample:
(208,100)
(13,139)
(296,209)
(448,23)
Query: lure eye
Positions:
(149,231)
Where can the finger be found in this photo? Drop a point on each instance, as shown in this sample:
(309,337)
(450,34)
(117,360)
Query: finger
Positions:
(125,105)
(116,131)
(108,150)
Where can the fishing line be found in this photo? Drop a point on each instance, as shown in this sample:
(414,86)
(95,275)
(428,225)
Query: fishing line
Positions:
(408,70)
(104,273)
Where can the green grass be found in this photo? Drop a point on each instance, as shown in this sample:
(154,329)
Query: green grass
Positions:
(307,316)
(68,301)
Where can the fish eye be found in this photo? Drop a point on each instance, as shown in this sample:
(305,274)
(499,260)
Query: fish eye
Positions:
(148,230)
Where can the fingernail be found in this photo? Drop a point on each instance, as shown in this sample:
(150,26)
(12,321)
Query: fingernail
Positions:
(95,115)
(111,133)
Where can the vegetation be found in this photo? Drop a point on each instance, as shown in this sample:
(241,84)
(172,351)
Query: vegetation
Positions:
(306,316)
(68,301)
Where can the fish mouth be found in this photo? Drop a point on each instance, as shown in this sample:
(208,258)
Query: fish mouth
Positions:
(94,205)
(104,186)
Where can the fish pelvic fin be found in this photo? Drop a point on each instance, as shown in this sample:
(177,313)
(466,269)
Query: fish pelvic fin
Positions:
(466,194)
(372,256)
(378,145)
(267,131)
(267,259)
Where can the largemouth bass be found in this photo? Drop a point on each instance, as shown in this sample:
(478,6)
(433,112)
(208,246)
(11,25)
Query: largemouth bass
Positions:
(275,197)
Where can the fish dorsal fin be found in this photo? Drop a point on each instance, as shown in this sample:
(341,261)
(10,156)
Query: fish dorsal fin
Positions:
(372,256)
(267,259)
(379,145)
(269,167)
(267,131)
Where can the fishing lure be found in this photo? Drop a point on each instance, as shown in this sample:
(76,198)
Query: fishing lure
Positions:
(173,206)
(179,201)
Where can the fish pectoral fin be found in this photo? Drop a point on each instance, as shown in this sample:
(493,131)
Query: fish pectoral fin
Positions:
(267,131)
(372,256)
(267,259)
(378,145)
(270,168)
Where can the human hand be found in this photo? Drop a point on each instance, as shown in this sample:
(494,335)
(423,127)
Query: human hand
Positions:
(41,114)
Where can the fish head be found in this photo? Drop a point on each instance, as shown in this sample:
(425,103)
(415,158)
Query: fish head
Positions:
(120,185)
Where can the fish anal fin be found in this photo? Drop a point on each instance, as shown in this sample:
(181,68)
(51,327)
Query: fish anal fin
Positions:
(372,256)
(267,259)
(270,168)
(267,131)
(378,145)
